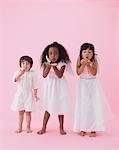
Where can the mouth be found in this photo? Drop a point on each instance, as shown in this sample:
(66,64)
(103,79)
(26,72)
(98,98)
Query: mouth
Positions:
(53,60)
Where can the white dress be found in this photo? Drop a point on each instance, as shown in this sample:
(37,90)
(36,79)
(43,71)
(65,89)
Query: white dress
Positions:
(24,99)
(55,93)
(91,109)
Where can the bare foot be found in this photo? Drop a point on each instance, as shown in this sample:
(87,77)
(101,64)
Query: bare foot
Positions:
(62,132)
(18,131)
(92,134)
(28,130)
(82,133)
(42,131)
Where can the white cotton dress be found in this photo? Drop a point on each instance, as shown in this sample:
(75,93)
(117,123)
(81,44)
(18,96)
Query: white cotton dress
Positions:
(55,93)
(91,109)
(24,99)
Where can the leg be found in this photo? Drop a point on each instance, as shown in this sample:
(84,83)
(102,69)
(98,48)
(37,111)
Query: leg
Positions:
(82,133)
(61,122)
(45,121)
(20,122)
(28,120)
(92,134)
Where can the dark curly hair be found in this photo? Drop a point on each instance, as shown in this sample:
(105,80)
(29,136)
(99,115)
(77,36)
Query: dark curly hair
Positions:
(84,47)
(63,55)
(26,58)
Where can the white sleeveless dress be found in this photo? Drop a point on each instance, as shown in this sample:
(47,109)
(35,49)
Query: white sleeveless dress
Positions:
(55,93)
(91,108)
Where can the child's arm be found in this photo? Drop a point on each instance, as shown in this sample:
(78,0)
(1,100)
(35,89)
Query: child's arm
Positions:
(17,78)
(60,72)
(80,66)
(46,70)
(93,68)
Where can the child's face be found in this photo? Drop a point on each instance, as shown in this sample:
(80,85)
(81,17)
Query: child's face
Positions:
(87,54)
(53,54)
(25,65)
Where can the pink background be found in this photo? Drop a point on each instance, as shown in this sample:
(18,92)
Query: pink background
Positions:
(26,27)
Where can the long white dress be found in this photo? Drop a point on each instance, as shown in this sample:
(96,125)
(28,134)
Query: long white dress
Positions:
(24,99)
(55,93)
(91,108)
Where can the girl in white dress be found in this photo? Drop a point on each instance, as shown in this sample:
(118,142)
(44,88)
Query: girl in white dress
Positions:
(26,94)
(90,105)
(54,61)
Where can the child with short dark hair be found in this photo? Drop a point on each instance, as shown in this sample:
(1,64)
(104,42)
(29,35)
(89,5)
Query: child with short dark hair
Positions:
(26,94)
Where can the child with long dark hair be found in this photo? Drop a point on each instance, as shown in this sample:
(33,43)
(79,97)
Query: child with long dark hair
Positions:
(54,61)
(91,106)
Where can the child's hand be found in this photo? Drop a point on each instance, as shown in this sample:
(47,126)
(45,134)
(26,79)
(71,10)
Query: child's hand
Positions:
(54,64)
(83,62)
(23,70)
(48,66)
(88,63)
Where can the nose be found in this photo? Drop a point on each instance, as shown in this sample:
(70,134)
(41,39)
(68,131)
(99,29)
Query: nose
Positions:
(53,55)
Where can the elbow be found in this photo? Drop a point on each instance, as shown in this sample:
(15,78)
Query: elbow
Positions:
(95,73)
(44,76)
(78,73)
(59,76)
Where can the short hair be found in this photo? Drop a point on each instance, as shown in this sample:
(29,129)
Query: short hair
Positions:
(26,58)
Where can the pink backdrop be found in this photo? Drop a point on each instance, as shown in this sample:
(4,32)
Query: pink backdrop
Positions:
(27,26)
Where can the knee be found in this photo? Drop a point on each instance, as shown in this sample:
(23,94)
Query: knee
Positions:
(21,113)
(28,113)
